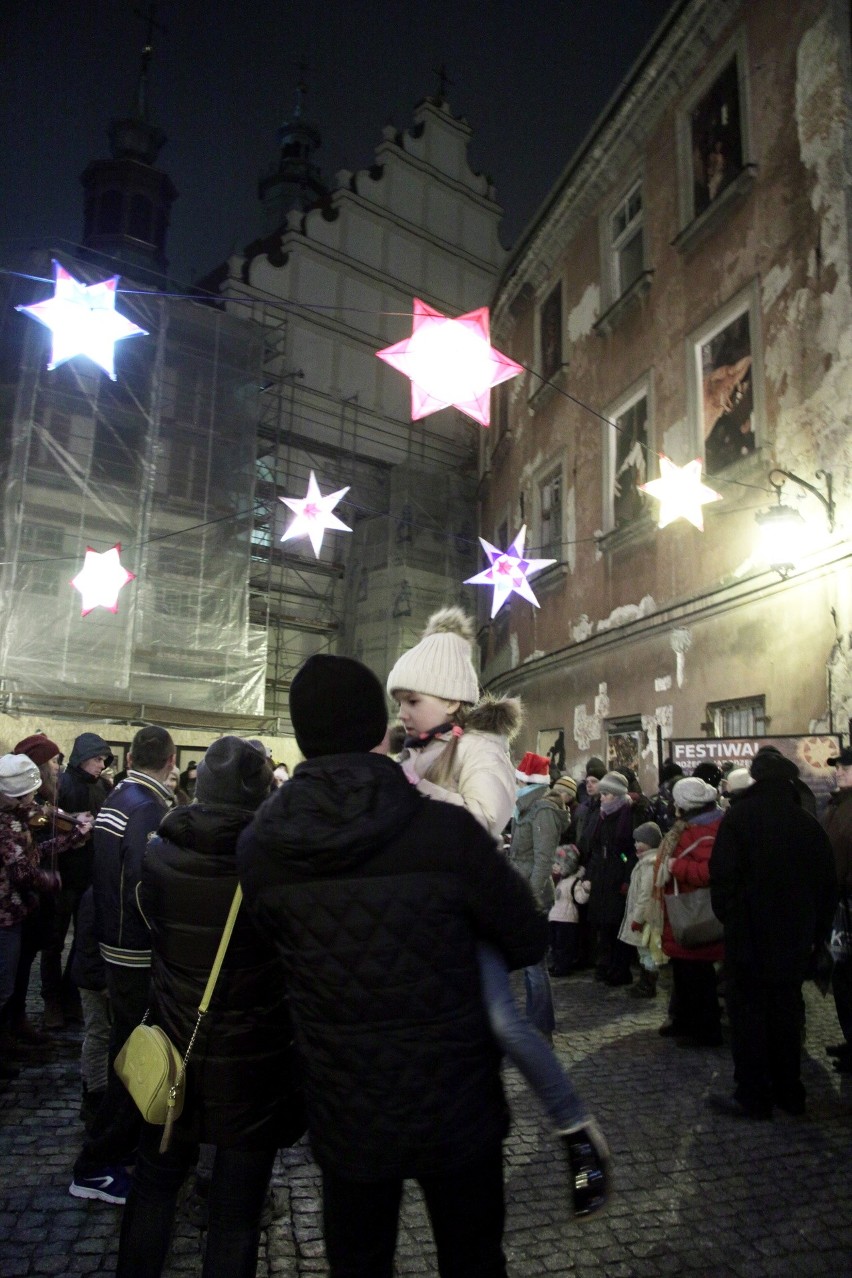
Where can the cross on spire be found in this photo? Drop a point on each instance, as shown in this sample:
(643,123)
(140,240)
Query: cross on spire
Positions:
(152,25)
(444,81)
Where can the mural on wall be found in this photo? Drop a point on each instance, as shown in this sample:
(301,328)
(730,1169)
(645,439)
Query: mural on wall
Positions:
(716,138)
(727,395)
(623,749)
(631,465)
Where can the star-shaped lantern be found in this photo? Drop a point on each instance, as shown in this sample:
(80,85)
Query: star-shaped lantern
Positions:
(313,514)
(450,361)
(680,492)
(508,572)
(83,320)
(101,578)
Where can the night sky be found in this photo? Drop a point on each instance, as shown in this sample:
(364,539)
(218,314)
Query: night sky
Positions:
(530,76)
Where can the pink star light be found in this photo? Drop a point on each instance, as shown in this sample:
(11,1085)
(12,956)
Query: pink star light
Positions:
(508,572)
(101,578)
(450,362)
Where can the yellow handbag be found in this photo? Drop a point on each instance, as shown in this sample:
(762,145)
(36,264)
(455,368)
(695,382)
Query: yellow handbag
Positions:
(149,1064)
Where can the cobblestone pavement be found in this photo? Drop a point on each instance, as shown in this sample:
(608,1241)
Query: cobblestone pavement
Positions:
(695,1193)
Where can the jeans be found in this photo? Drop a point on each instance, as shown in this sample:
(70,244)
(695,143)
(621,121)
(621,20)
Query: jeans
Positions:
(539,998)
(465,1206)
(237,1192)
(115,1130)
(10,953)
(524,1045)
(564,947)
(56,984)
(94,1054)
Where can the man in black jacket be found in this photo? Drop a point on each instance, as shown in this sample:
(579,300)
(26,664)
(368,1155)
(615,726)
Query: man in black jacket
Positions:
(772,884)
(123,827)
(376,899)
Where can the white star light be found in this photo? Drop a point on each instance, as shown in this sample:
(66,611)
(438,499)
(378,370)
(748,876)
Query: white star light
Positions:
(101,578)
(508,572)
(680,492)
(83,320)
(313,514)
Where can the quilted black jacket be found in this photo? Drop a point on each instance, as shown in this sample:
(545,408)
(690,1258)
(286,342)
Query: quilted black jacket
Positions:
(376,898)
(243,1088)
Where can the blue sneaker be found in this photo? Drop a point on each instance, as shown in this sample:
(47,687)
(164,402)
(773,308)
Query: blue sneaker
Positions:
(110,1184)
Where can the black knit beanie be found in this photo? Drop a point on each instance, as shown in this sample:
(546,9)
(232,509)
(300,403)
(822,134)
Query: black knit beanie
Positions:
(337,706)
(233,774)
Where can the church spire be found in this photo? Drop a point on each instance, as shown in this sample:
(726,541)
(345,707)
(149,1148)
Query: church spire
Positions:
(295,181)
(127,200)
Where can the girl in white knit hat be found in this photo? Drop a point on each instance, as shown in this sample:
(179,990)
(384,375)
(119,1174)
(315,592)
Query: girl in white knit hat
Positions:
(457,750)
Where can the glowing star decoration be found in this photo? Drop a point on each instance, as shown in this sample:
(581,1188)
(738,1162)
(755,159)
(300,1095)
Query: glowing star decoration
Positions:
(313,514)
(508,572)
(83,320)
(680,492)
(450,362)
(101,578)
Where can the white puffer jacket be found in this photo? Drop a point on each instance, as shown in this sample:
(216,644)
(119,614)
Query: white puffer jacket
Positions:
(483,777)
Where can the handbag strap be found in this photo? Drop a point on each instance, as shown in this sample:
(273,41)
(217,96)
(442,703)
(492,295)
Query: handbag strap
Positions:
(220,953)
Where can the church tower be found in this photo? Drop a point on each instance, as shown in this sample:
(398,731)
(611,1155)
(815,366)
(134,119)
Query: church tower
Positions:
(127,200)
(295,181)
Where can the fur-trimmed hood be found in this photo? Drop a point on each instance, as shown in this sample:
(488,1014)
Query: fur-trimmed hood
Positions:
(502,716)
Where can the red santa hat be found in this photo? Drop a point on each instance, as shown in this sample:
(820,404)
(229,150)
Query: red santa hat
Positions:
(533,769)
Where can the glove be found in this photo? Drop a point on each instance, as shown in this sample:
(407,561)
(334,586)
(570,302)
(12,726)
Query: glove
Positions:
(636,927)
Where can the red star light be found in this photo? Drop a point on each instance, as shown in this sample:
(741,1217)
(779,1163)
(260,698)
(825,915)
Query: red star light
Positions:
(450,362)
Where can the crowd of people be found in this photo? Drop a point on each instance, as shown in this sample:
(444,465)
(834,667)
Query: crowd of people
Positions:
(382,902)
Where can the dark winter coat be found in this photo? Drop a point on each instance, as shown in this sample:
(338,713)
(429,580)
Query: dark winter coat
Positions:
(88,970)
(772,882)
(376,898)
(837,823)
(612,857)
(122,830)
(242,1085)
(80,792)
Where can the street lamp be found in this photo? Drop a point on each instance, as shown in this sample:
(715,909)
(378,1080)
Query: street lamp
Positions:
(782,528)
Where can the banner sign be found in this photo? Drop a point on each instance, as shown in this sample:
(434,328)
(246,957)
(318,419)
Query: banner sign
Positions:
(809,753)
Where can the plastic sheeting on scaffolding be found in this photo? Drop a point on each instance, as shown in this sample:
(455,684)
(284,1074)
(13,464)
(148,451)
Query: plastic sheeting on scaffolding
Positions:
(163,461)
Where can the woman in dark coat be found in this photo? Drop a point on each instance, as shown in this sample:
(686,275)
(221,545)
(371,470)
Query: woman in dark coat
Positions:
(611,861)
(242,1089)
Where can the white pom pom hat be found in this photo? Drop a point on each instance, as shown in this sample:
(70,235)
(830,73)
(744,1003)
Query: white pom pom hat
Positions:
(440,664)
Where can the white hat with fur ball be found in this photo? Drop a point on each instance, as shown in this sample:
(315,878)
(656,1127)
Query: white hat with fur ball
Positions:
(440,664)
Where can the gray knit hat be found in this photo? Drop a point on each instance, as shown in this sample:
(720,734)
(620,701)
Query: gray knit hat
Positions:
(692,792)
(650,833)
(613,783)
(18,776)
(440,664)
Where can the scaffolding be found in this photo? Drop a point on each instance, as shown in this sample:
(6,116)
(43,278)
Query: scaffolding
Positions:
(161,461)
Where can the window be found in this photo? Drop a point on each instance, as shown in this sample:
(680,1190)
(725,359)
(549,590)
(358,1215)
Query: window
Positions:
(45,543)
(111,212)
(550,525)
(550,334)
(627,241)
(51,438)
(627,452)
(715,138)
(726,388)
(743,718)
(139,222)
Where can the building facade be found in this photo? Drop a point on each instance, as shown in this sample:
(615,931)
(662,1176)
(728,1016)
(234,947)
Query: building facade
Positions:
(685,291)
(331,284)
